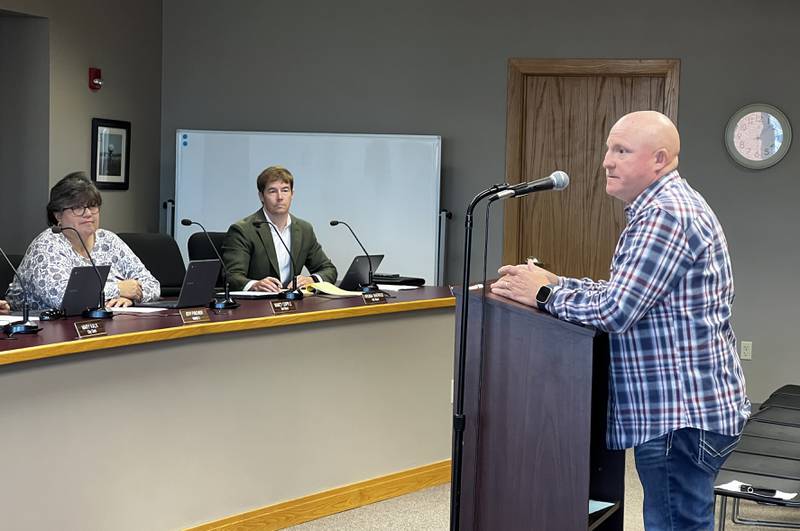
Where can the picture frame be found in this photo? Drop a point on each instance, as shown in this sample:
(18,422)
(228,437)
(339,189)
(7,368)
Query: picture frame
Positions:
(111,154)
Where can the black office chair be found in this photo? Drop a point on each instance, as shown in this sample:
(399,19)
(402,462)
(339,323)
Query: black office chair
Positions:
(200,249)
(160,254)
(6,273)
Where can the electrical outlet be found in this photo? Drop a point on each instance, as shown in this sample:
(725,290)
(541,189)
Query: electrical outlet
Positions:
(747,350)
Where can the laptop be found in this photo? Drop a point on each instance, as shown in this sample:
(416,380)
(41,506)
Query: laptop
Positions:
(83,289)
(197,288)
(358,273)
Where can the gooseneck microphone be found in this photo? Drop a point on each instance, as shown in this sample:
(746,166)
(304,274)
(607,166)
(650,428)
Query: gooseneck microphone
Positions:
(370,287)
(24,326)
(227,303)
(294,294)
(558,180)
(100,312)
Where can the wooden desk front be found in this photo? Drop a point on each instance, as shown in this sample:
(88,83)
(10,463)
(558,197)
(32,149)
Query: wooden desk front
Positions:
(139,431)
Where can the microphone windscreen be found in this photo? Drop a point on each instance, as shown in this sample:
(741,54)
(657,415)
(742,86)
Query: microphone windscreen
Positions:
(186,222)
(55,229)
(560,180)
(334,223)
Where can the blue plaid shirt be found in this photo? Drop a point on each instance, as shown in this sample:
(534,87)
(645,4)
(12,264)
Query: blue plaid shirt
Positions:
(667,309)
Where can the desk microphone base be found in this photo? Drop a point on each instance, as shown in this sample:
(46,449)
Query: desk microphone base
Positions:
(294,295)
(97,313)
(20,327)
(223,304)
(371,288)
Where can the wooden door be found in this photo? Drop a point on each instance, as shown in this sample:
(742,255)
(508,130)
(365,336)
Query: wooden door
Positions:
(559,115)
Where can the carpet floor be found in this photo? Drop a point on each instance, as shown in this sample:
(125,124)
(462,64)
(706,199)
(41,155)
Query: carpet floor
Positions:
(429,510)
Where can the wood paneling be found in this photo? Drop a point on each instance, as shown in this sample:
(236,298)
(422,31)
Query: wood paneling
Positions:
(334,501)
(559,114)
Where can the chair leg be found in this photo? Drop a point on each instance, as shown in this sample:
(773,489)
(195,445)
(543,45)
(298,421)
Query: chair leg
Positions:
(737,518)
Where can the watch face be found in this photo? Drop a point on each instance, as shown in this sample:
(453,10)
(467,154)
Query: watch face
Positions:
(543,295)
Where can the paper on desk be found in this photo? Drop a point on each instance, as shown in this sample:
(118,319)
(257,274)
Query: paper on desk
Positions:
(595,506)
(736,486)
(137,309)
(395,287)
(329,289)
(5,319)
(254,294)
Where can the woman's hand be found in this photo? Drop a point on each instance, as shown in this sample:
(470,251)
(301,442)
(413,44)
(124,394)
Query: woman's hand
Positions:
(119,302)
(130,289)
(4,307)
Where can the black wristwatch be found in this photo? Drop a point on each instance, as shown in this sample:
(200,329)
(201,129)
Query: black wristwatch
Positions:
(543,295)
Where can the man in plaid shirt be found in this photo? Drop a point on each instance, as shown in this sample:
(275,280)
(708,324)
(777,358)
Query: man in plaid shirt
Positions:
(677,391)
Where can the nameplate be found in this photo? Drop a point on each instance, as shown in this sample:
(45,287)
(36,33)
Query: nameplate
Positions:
(279,307)
(374,298)
(92,328)
(194,315)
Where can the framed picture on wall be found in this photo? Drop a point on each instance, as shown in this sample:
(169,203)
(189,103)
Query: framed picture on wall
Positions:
(111,154)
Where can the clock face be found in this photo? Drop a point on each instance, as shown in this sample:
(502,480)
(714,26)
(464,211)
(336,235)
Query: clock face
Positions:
(758,136)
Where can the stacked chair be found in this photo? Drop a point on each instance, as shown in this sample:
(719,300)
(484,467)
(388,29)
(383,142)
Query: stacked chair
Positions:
(767,458)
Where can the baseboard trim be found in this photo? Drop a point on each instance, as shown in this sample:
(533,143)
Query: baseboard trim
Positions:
(321,504)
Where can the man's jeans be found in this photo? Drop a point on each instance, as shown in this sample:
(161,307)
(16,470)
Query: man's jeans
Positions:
(677,471)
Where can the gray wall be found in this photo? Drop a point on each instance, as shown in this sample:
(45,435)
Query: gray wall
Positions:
(124,39)
(24,125)
(440,68)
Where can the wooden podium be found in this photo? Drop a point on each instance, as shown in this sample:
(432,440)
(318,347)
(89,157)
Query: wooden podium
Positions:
(535,408)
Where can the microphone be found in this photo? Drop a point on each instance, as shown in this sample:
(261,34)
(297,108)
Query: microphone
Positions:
(558,180)
(24,326)
(370,287)
(295,294)
(227,303)
(90,313)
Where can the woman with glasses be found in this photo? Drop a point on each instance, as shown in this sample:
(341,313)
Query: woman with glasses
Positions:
(75,207)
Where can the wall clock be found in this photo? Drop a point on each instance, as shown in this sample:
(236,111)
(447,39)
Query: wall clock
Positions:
(758,136)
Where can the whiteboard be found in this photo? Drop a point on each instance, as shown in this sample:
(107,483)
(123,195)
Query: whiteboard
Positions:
(385,186)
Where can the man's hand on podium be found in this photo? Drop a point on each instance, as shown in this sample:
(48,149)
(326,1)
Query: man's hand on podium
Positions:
(522,282)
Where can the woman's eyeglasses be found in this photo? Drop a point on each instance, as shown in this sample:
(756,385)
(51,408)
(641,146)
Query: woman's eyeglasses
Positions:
(81,210)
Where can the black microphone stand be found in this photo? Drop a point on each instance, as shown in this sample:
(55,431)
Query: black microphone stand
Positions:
(100,312)
(295,294)
(24,326)
(370,286)
(459,421)
(227,303)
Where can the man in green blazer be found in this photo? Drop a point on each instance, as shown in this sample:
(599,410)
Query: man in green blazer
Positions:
(256,259)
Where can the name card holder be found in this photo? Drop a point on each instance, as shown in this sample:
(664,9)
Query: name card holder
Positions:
(374,298)
(194,315)
(281,307)
(93,328)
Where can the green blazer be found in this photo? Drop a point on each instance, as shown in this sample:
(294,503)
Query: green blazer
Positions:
(249,252)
